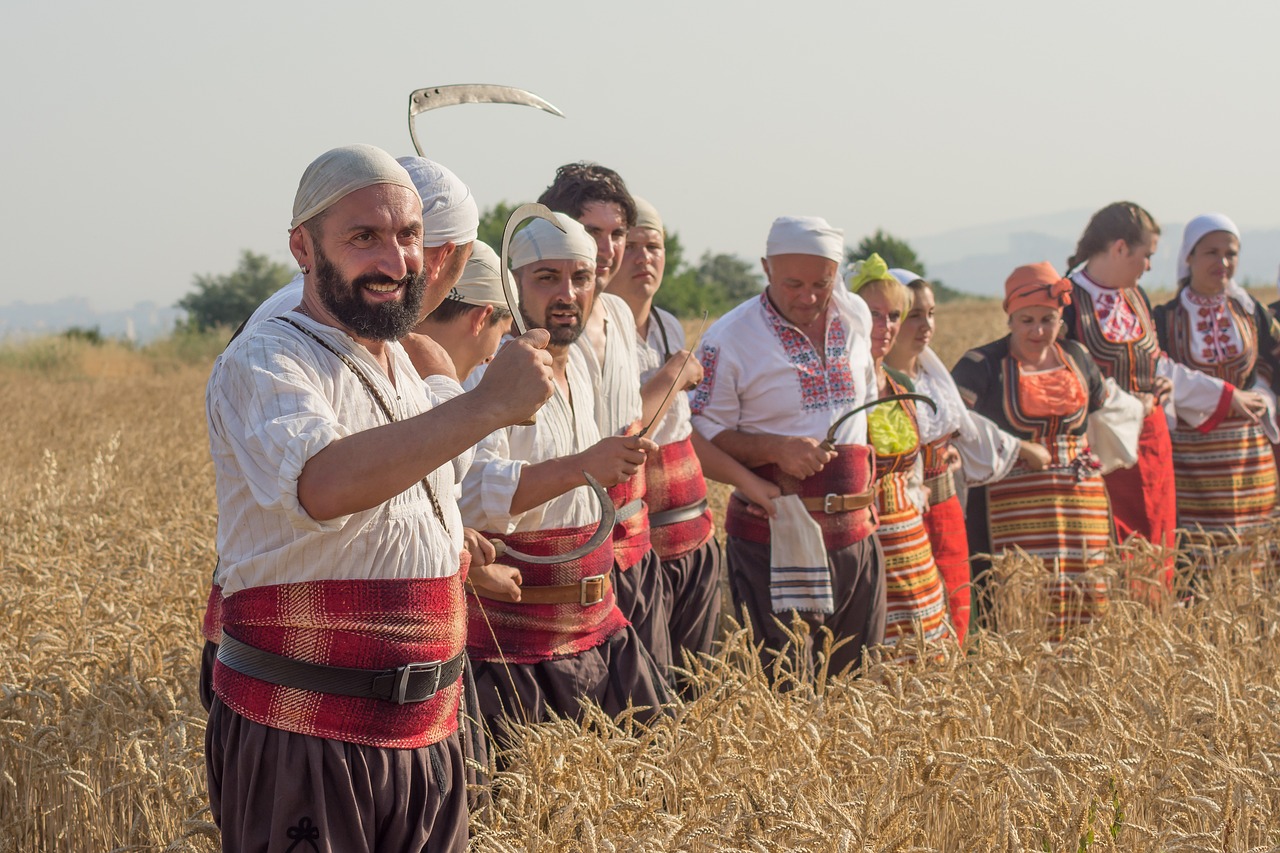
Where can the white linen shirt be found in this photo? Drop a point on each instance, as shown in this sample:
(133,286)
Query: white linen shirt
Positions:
(275,398)
(617,381)
(501,457)
(761,374)
(675,424)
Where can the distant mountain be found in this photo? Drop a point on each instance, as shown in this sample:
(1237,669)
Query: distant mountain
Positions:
(144,322)
(978,259)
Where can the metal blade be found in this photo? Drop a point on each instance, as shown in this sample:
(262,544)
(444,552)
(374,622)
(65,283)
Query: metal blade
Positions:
(830,441)
(518,217)
(608,513)
(435,97)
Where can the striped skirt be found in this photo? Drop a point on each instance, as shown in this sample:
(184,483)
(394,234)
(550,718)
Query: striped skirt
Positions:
(914,595)
(1225,480)
(1066,523)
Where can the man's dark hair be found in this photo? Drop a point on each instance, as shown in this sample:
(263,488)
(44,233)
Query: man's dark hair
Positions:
(451,309)
(578,184)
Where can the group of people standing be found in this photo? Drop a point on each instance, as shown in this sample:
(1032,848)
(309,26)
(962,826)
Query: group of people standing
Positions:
(447,503)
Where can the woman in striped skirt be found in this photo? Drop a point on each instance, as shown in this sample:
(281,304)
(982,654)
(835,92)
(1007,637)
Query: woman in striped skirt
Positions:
(1042,389)
(1225,475)
(916,600)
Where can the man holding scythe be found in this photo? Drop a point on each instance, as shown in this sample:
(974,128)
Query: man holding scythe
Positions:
(780,372)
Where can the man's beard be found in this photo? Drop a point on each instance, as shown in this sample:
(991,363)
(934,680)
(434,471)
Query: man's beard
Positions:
(560,335)
(380,321)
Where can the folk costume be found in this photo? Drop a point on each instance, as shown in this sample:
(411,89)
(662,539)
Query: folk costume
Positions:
(566,640)
(1226,476)
(761,374)
(1060,514)
(641,587)
(1117,329)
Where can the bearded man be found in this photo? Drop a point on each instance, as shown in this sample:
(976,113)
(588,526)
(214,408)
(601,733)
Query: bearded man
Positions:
(341,548)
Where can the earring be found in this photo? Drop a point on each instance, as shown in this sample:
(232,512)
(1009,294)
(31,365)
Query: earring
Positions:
(304,269)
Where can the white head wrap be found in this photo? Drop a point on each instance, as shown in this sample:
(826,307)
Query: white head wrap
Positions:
(1196,230)
(905,276)
(647,215)
(479,283)
(340,172)
(805,235)
(449,211)
(542,241)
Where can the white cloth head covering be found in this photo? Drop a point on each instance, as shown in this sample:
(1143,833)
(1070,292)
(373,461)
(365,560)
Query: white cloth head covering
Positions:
(449,211)
(340,172)
(479,283)
(1196,230)
(905,276)
(647,215)
(805,235)
(542,241)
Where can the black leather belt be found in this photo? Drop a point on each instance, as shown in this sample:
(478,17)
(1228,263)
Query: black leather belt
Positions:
(677,515)
(412,682)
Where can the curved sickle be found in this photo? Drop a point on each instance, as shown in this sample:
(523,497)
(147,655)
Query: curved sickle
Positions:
(607,515)
(518,217)
(829,443)
(435,97)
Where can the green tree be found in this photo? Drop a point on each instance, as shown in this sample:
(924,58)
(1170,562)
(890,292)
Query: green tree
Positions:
(899,254)
(226,300)
(492,223)
(719,283)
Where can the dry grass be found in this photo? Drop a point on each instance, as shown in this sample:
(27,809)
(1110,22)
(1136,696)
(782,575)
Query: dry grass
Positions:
(1155,729)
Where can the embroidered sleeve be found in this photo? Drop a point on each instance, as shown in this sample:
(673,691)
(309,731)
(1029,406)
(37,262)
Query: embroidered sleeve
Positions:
(714,403)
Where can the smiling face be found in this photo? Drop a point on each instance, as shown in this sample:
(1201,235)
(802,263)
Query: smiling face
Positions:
(367,255)
(886,319)
(1213,262)
(557,296)
(607,225)
(800,286)
(918,326)
(1034,329)
(643,264)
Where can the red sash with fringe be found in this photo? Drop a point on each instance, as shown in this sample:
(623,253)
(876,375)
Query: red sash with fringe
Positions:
(369,624)
(531,633)
(673,479)
(212,625)
(850,473)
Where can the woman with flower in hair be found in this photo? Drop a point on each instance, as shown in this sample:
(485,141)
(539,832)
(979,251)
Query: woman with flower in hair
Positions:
(1225,475)
(1042,390)
(916,600)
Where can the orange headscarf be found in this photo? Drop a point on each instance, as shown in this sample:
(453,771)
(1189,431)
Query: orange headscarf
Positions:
(1036,284)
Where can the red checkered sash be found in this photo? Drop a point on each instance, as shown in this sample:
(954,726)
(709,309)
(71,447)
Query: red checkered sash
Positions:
(367,624)
(630,535)
(531,633)
(211,627)
(673,479)
(850,473)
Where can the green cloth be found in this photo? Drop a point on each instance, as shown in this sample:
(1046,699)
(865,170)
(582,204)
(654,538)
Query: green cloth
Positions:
(872,269)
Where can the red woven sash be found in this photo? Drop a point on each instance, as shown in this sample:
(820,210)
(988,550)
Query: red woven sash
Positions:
(848,474)
(369,624)
(529,633)
(631,535)
(673,479)
(211,627)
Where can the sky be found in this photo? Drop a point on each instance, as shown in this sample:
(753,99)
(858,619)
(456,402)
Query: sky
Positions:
(148,142)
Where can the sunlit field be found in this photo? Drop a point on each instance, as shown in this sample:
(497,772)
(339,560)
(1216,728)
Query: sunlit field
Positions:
(1154,729)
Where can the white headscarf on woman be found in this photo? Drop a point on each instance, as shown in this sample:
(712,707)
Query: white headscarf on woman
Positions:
(1196,230)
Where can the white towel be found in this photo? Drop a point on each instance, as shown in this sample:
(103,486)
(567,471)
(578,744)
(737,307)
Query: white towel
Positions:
(799,577)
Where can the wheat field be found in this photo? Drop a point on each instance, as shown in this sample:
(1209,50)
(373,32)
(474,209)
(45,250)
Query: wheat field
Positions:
(1155,729)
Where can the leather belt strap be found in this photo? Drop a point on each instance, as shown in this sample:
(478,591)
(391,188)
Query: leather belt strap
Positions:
(833,503)
(412,682)
(678,514)
(629,509)
(586,592)
(941,488)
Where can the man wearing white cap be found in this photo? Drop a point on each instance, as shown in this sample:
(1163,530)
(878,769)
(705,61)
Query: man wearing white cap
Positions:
(564,639)
(474,317)
(779,371)
(681,526)
(341,547)
(597,197)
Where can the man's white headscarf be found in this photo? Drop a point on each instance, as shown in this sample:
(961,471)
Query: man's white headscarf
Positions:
(542,241)
(805,235)
(1196,230)
(340,172)
(449,211)
(479,283)
(647,215)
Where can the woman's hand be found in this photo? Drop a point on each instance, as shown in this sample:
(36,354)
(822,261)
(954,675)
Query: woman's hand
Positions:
(1034,455)
(1249,405)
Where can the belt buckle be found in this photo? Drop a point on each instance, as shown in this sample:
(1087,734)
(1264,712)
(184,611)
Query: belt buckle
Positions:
(585,584)
(827,503)
(402,680)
